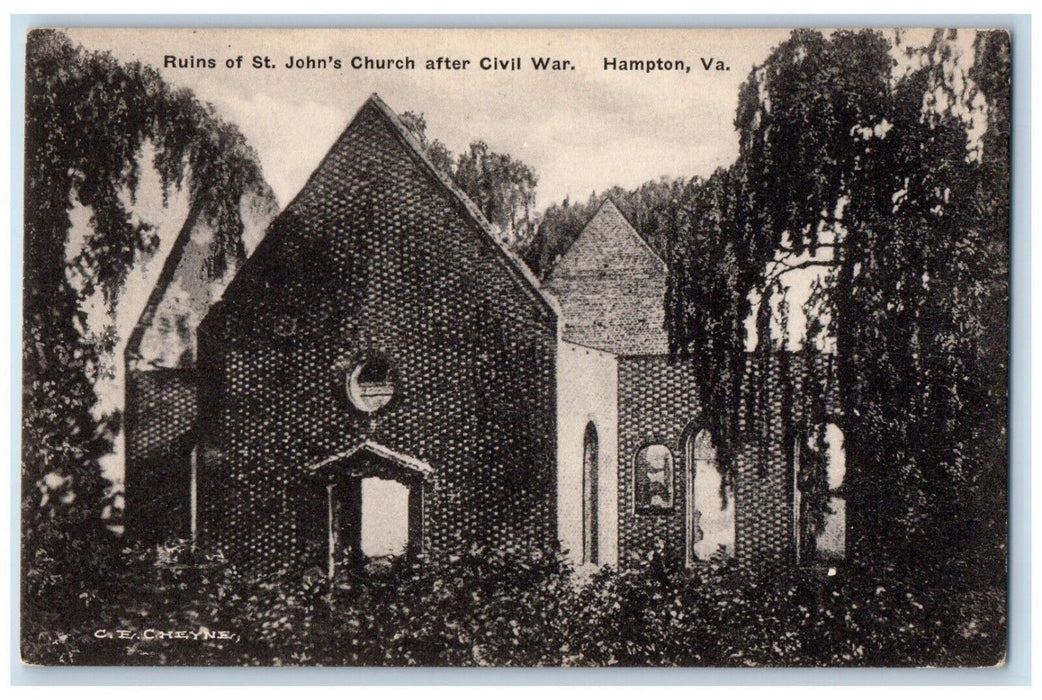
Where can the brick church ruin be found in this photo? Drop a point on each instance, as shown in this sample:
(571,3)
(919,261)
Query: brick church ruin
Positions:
(383,376)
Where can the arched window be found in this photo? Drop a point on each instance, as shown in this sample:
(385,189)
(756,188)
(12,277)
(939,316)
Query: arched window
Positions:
(590,495)
(819,499)
(653,479)
(710,505)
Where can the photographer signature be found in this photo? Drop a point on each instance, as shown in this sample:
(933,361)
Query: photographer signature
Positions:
(152,634)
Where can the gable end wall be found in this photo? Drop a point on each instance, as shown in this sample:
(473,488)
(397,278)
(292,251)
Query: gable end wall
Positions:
(375,256)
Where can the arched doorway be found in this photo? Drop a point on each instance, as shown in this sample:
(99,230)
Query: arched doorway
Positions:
(590,495)
(709,506)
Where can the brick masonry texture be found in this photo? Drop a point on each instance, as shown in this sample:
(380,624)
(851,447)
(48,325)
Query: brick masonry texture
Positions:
(770,409)
(159,427)
(611,288)
(160,389)
(377,255)
(658,404)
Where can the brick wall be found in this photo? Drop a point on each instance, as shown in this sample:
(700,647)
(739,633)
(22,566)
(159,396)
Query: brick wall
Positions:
(658,403)
(376,254)
(159,423)
(159,377)
(773,403)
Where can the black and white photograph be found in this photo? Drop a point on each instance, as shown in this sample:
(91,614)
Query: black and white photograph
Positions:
(516,347)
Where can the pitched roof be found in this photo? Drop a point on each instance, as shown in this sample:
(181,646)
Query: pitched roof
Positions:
(352,462)
(166,277)
(611,286)
(187,286)
(516,268)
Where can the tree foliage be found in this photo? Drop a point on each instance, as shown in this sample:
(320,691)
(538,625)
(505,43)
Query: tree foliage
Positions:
(870,168)
(88,120)
(707,301)
(501,186)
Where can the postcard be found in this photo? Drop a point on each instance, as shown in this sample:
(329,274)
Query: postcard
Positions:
(516,347)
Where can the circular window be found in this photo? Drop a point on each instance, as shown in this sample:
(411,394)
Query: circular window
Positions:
(370,385)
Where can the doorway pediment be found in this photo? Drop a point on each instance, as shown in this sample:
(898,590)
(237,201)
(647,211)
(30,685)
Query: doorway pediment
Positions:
(371,459)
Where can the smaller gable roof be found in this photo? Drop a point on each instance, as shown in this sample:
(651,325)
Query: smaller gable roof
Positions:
(166,275)
(186,287)
(611,286)
(348,462)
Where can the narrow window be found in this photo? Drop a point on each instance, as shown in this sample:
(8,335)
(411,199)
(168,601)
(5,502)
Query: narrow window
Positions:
(590,495)
(193,497)
(832,542)
(710,504)
(331,531)
(653,479)
(819,500)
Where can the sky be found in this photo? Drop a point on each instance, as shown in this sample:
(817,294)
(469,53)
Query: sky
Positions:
(581,129)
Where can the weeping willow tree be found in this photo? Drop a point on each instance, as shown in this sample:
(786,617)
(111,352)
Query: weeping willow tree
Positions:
(88,120)
(707,300)
(891,176)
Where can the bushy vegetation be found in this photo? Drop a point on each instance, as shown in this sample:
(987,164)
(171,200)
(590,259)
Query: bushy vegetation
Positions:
(485,608)
(883,171)
(89,120)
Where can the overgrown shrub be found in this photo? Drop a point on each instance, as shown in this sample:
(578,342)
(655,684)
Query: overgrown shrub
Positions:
(480,607)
